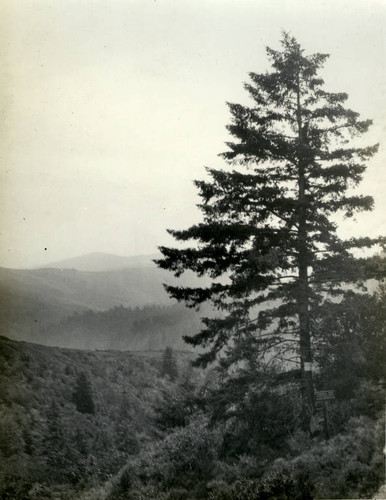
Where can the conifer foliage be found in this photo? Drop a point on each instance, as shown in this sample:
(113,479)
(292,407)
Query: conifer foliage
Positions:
(268,237)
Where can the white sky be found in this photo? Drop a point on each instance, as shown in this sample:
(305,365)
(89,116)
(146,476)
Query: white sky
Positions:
(111,108)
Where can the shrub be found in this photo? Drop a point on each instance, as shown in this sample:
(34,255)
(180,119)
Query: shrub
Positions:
(186,458)
(277,485)
(350,465)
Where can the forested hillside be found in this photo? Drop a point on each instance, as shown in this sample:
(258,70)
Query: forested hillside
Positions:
(112,425)
(70,419)
(150,327)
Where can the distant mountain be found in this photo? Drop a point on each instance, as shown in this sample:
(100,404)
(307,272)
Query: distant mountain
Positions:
(72,289)
(31,300)
(98,261)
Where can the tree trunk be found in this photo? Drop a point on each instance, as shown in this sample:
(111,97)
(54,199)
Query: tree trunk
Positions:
(304,327)
(307,388)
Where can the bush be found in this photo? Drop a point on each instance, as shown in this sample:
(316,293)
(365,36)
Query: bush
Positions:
(350,465)
(186,458)
(277,485)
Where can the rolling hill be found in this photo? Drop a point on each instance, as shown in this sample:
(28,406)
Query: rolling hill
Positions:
(34,302)
(99,261)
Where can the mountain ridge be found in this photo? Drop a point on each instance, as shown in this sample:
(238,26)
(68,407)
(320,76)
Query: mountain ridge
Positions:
(101,261)
(34,303)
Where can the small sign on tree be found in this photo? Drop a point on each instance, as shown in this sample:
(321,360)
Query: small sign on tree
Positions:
(324,395)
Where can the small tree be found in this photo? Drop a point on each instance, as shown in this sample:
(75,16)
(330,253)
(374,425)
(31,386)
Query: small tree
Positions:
(82,396)
(169,364)
(268,237)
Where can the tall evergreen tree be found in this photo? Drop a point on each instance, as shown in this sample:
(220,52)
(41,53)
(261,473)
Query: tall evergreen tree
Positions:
(268,237)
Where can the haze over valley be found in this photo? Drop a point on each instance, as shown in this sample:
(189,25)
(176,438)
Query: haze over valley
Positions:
(96,301)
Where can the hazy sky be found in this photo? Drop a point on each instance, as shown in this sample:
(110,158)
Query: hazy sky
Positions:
(111,108)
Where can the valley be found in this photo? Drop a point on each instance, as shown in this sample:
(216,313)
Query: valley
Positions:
(84,303)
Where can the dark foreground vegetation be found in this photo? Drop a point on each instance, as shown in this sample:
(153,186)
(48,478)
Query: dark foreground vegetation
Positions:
(110,425)
(240,436)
